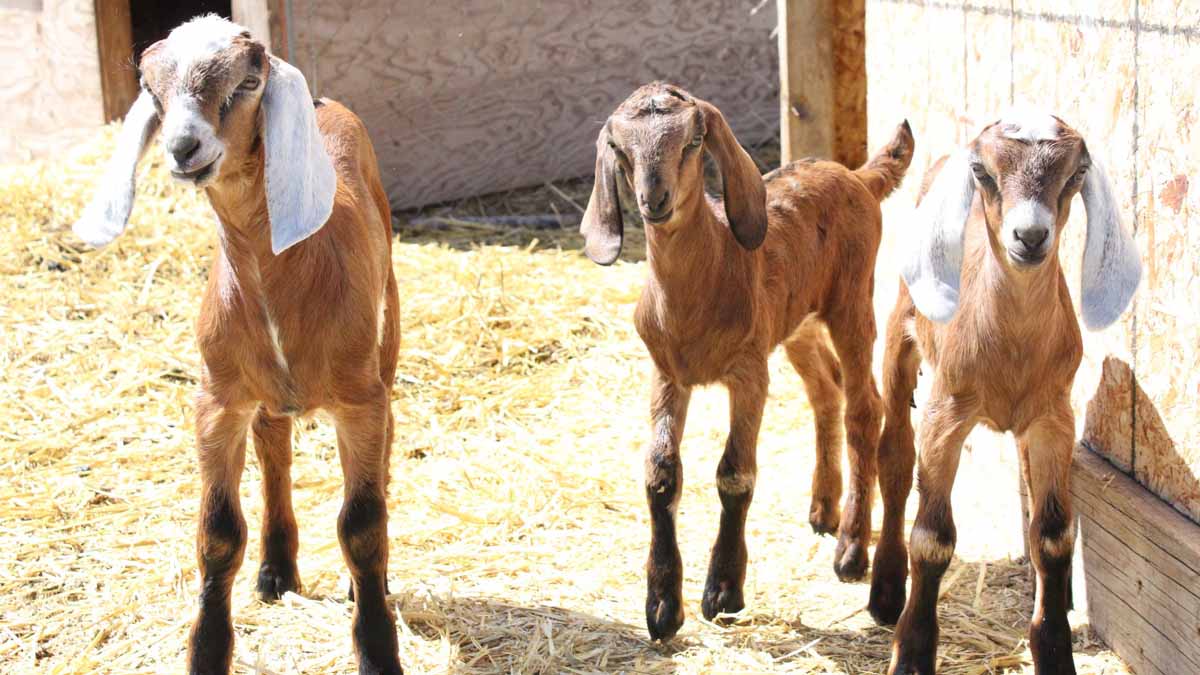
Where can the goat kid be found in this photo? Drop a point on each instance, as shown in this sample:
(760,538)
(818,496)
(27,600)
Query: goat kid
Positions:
(778,260)
(301,310)
(984,301)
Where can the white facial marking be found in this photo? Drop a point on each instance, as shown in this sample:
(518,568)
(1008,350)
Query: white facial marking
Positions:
(1029,124)
(1026,214)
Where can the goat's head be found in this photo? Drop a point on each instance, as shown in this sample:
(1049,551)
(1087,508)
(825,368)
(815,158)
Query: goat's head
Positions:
(221,105)
(1026,169)
(653,142)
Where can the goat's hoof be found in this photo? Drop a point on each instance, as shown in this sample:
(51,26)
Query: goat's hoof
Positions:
(724,598)
(366,667)
(824,516)
(850,562)
(664,616)
(887,601)
(274,580)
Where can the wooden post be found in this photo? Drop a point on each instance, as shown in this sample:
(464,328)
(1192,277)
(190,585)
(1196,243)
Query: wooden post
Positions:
(114,40)
(823,80)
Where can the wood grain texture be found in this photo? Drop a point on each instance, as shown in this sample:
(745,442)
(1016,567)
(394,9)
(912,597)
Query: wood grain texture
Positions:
(114,35)
(807,85)
(50,96)
(849,82)
(1140,560)
(474,97)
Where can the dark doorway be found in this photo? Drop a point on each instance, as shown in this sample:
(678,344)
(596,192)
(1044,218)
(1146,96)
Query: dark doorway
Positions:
(153,19)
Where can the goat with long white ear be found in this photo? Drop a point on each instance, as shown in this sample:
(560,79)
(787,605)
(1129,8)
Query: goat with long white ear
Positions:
(984,301)
(301,310)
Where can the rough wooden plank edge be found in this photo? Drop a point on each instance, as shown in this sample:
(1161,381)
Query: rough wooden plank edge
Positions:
(1141,562)
(850,82)
(114,41)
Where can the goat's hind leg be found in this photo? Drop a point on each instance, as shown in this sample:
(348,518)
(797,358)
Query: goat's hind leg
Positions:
(277,571)
(362,423)
(1048,444)
(221,540)
(664,484)
(822,375)
(896,456)
(853,333)
(736,474)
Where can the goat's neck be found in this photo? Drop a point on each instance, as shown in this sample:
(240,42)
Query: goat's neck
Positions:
(690,260)
(245,231)
(1030,294)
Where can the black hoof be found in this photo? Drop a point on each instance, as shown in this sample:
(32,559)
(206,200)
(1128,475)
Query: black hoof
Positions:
(664,617)
(850,562)
(274,580)
(886,602)
(722,599)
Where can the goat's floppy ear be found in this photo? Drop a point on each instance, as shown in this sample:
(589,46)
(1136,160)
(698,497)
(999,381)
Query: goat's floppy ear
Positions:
(745,192)
(300,178)
(105,217)
(603,228)
(1112,267)
(932,262)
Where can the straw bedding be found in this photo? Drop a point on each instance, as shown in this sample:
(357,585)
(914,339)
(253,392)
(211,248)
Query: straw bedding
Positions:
(518,527)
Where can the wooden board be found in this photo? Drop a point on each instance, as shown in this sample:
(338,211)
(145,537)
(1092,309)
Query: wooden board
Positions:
(823,81)
(114,37)
(468,98)
(1140,562)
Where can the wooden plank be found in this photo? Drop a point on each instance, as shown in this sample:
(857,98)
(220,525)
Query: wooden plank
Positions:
(467,98)
(255,15)
(1141,563)
(823,80)
(118,74)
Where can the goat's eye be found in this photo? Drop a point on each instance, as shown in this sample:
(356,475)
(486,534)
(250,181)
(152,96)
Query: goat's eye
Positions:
(982,175)
(250,83)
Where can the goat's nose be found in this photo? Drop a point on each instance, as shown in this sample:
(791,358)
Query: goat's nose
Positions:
(1032,237)
(183,147)
(657,203)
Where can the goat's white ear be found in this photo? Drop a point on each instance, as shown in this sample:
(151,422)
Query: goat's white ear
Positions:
(105,216)
(932,262)
(300,177)
(1112,267)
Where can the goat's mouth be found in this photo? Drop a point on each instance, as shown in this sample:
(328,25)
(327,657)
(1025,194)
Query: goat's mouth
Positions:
(198,175)
(658,219)
(1026,259)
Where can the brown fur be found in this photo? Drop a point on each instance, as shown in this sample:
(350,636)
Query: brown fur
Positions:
(729,281)
(323,298)
(1006,359)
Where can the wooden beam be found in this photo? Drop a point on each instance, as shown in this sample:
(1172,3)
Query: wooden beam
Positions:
(823,80)
(114,42)
(1140,560)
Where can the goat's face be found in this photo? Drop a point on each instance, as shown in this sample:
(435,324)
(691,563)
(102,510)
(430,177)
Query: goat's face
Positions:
(656,137)
(1027,171)
(653,142)
(206,79)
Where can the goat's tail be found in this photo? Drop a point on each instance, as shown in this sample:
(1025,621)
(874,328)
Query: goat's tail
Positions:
(883,172)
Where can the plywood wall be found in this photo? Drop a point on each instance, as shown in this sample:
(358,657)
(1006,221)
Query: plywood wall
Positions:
(463,98)
(50,83)
(1123,72)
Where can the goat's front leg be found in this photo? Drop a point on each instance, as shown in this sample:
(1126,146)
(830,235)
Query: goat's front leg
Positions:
(1048,444)
(735,484)
(362,421)
(277,571)
(853,335)
(221,539)
(664,483)
(931,544)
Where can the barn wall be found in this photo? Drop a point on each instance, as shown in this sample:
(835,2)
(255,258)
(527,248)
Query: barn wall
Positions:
(50,84)
(463,98)
(1124,73)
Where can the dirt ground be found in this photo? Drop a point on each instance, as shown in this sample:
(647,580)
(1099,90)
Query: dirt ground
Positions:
(518,526)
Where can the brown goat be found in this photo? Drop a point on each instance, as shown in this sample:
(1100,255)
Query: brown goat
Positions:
(301,310)
(780,259)
(986,304)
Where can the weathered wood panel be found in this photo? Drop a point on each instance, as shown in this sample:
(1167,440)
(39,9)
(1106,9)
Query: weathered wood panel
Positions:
(822,71)
(1141,566)
(50,93)
(1124,74)
(471,97)
(114,37)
